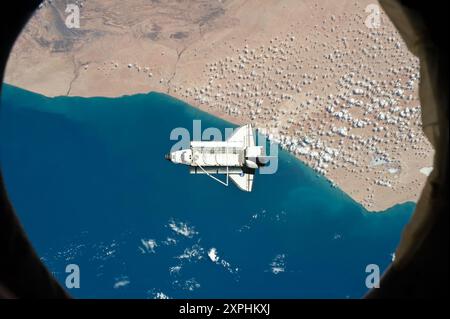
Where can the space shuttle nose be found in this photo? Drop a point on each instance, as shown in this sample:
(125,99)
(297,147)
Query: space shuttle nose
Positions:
(167,157)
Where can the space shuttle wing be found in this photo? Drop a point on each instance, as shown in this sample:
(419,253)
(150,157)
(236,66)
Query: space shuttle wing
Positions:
(243,135)
(243,181)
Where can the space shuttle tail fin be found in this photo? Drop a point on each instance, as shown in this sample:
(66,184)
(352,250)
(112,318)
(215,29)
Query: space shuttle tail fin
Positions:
(244,135)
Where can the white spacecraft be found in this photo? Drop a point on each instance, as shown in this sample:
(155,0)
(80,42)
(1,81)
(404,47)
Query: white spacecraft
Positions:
(238,158)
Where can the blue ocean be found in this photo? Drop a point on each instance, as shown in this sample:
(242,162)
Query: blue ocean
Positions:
(88,179)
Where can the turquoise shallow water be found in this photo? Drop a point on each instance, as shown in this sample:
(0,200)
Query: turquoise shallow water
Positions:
(87,177)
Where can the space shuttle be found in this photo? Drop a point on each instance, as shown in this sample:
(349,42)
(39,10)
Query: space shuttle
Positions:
(237,158)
